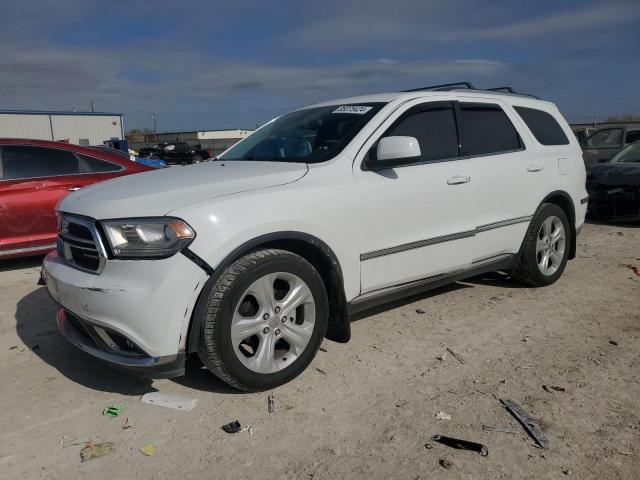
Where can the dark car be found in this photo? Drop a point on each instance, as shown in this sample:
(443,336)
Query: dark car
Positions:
(614,187)
(600,146)
(175,152)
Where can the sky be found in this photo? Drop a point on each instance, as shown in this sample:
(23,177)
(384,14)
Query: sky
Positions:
(215,64)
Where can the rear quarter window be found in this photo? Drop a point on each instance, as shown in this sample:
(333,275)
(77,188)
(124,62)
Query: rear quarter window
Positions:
(543,126)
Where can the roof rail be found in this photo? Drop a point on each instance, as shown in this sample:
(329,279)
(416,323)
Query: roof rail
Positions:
(444,86)
(512,91)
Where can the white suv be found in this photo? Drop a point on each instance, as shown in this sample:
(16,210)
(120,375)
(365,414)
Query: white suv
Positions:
(251,260)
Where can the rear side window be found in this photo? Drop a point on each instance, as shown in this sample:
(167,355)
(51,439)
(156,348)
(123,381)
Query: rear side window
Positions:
(543,126)
(91,164)
(632,136)
(33,162)
(434,126)
(608,138)
(486,129)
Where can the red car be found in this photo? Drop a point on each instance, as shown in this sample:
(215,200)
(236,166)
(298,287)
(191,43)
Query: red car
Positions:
(34,176)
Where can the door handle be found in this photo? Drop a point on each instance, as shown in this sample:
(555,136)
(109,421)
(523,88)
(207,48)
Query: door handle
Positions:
(535,168)
(73,189)
(458,179)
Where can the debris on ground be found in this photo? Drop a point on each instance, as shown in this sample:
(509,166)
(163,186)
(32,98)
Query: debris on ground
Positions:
(149,450)
(446,462)
(321,371)
(170,400)
(95,450)
(126,424)
(634,268)
(550,388)
(249,429)
(489,428)
(420,311)
(270,405)
(75,441)
(232,427)
(428,446)
(457,357)
(442,416)
(567,472)
(322,349)
(442,357)
(613,342)
(13,347)
(527,422)
(48,379)
(461,444)
(114,410)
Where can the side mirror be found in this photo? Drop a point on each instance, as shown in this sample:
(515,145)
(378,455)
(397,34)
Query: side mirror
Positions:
(394,152)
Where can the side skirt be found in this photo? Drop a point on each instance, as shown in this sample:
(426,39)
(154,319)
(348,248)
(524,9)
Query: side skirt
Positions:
(390,294)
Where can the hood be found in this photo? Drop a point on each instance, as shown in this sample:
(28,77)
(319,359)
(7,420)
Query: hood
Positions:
(616,174)
(158,192)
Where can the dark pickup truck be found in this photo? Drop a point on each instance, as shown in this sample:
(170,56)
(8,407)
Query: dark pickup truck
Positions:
(175,152)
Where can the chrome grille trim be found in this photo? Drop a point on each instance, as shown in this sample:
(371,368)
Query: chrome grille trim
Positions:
(69,241)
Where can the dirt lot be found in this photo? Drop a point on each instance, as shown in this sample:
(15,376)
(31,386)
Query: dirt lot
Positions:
(364,409)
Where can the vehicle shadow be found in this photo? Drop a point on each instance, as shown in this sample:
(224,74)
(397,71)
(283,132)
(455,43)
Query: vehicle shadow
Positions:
(198,377)
(614,223)
(37,328)
(494,279)
(21,263)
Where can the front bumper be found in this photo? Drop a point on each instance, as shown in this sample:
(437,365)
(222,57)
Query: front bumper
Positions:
(101,344)
(134,315)
(622,203)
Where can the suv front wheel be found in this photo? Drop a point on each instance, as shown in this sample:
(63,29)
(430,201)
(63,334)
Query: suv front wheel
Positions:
(545,248)
(264,319)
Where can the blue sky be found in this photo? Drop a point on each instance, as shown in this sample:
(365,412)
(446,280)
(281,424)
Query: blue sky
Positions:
(227,64)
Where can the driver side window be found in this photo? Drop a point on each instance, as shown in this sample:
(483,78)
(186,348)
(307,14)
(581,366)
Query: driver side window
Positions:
(433,125)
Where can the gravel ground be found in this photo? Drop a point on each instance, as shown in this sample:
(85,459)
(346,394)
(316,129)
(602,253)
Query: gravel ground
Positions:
(363,409)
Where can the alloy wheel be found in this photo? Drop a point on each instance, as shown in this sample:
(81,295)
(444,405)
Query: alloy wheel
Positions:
(550,245)
(273,322)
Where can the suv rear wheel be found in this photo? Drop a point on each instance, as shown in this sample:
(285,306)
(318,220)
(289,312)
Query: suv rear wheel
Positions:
(545,248)
(264,319)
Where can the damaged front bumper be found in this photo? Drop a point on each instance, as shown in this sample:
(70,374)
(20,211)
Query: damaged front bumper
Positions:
(134,315)
(115,349)
(613,202)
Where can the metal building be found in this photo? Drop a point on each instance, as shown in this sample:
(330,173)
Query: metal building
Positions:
(80,128)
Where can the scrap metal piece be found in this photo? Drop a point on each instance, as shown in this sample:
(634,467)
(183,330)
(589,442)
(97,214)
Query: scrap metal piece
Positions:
(527,422)
(461,444)
(457,357)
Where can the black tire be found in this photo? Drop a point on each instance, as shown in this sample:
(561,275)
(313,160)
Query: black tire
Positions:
(527,271)
(196,159)
(219,302)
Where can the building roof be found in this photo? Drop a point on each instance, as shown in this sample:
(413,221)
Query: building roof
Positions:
(54,112)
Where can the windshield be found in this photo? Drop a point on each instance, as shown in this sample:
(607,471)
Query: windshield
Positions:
(312,135)
(631,153)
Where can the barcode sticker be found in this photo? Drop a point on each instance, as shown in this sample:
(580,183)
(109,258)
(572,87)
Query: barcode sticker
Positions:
(357,109)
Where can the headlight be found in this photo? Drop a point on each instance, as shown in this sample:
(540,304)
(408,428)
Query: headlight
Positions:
(147,237)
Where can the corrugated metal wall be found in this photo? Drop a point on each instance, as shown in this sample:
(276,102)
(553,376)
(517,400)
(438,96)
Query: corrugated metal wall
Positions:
(91,129)
(25,126)
(95,129)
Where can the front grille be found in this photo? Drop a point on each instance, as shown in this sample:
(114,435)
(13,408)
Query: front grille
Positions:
(80,243)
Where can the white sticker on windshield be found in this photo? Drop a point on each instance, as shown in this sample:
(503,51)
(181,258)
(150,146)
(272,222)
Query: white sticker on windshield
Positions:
(357,109)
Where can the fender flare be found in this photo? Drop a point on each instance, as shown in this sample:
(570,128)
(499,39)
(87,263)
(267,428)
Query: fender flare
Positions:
(341,325)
